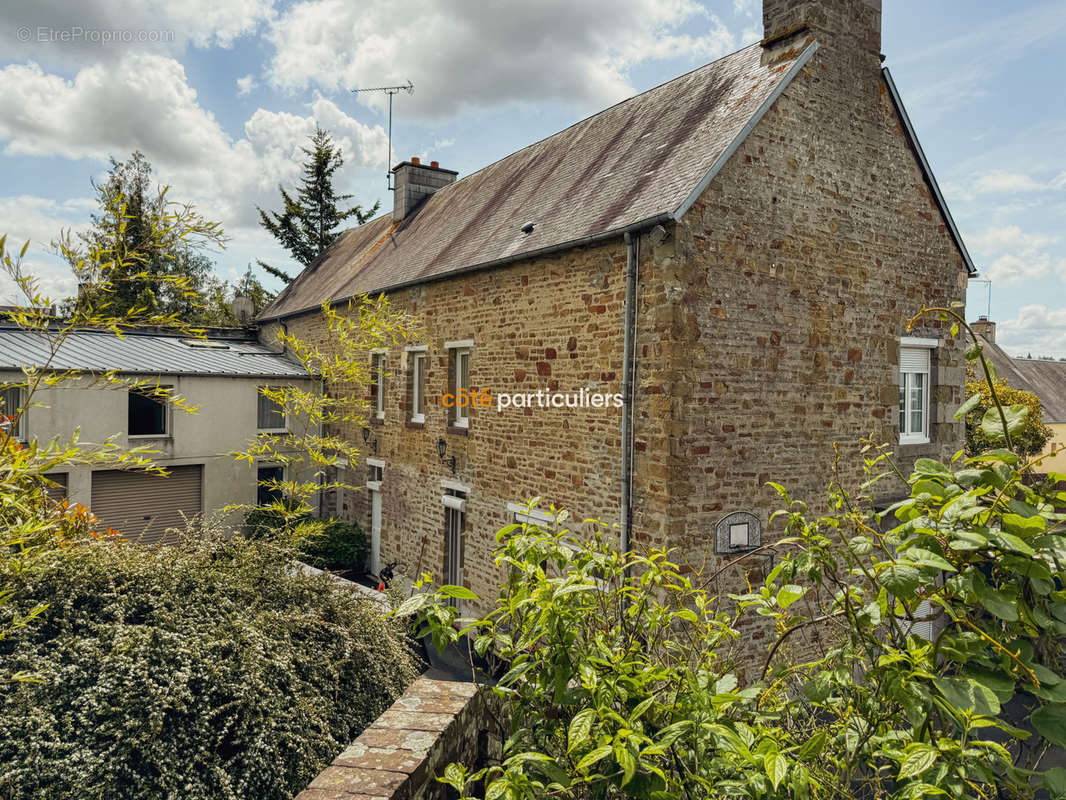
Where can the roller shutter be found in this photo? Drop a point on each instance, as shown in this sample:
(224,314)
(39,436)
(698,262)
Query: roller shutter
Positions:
(141,506)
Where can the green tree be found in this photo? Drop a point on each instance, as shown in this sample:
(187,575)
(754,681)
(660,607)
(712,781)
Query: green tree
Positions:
(308,222)
(1030,437)
(219,295)
(154,266)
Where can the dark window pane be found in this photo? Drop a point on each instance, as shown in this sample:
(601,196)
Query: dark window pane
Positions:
(147,415)
(267,493)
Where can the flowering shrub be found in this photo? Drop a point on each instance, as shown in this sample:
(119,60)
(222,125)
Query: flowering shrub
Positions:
(209,670)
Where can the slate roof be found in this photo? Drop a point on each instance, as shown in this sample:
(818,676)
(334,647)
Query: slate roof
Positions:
(640,160)
(147,354)
(1045,379)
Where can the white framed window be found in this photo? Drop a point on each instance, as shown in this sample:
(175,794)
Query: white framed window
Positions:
(377,388)
(915,359)
(454,501)
(417,358)
(10,403)
(459,379)
(270,414)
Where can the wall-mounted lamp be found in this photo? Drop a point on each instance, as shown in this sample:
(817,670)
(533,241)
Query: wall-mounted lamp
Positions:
(442,448)
(366,439)
(737,532)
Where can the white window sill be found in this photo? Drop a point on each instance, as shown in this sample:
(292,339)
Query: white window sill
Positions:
(419,418)
(911,438)
(148,436)
(461,422)
(379,415)
(373,486)
(273,430)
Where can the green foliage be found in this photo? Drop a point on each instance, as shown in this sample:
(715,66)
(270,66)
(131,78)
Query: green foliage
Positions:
(330,544)
(308,222)
(155,261)
(207,670)
(339,546)
(983,428)
(314,448)
(618,674)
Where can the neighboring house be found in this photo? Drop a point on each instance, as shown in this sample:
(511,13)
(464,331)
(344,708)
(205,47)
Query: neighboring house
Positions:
(1045,379)
(771,223)
(220,375)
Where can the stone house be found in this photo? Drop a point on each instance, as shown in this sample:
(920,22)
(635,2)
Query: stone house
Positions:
(736,253)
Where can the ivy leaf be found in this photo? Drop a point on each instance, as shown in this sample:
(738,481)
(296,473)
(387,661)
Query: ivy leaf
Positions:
(1050,722)
(917,761)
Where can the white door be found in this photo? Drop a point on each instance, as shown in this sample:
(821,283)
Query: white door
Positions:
(375,533)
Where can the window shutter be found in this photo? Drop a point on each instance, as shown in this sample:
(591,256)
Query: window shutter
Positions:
(914,359)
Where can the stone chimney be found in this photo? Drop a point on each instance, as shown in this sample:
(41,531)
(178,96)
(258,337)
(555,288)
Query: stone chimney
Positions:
(986,328)
(841,25)
(413,182)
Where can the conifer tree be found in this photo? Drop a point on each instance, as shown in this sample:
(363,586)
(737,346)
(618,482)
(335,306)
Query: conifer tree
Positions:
(307,224)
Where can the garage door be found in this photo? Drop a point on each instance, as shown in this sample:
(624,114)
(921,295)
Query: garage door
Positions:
(141,506)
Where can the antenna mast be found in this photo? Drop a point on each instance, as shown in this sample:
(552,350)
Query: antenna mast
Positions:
(987,283)
(390,91)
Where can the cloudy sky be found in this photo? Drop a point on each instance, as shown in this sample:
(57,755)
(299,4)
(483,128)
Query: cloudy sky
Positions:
(220,95)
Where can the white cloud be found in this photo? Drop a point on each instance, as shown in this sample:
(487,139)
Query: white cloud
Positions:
(476,55)
(1003,182)
(1037,329)
(95,30)
(143,102)
(1008,255)
(246,85)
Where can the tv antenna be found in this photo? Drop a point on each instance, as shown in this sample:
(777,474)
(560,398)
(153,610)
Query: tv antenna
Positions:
(390,91)
(987,283)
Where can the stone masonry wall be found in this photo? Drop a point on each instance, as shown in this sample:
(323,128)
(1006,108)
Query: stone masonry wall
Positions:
(399,756)
(546,324)
(778,314)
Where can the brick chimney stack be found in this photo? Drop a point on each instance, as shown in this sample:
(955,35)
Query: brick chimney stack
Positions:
(413,182)
(985,328)
(841,25)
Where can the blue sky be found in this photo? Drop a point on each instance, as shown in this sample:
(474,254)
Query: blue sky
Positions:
(220,94)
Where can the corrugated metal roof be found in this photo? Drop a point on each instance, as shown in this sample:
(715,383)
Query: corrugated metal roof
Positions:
(636,161)
(1045,379)
(146,354)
